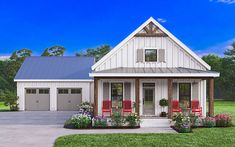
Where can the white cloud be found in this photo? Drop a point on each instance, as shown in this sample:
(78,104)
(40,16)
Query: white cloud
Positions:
(217,49)
(4,57)
(161,20)
(224,1)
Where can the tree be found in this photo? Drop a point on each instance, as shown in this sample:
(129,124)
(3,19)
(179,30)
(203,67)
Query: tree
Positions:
(21,54)
(10,99)
(230,53)
(54,51)
(98,52)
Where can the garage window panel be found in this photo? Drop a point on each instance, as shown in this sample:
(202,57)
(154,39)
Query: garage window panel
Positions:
(76,91)
(31,91)
(63,91)
(43,91)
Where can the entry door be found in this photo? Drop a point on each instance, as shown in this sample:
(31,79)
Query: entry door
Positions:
(148,101)
(185,95)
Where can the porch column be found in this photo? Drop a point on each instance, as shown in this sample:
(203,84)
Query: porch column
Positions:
(211,97)
(95,97)
(170,96)
(137,96)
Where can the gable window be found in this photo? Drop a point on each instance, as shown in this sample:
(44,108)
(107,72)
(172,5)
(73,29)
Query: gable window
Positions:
(150,55)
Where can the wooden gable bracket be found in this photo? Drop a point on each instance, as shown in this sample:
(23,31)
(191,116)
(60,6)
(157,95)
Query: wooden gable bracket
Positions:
(151,30)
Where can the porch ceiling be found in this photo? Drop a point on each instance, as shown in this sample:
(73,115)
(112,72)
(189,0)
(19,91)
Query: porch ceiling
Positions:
(154,72)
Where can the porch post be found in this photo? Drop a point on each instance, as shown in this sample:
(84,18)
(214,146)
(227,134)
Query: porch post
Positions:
(170,96)
(211,97)
(137,96)
(95,97)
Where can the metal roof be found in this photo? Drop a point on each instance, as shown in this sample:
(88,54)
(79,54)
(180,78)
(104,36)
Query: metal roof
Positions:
(55,68)
(154,70)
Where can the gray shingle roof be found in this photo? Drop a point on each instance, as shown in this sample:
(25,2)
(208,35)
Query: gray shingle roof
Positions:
(154,70)
(56,68)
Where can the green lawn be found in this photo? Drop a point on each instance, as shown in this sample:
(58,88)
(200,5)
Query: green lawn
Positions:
(3,107)
(199,137)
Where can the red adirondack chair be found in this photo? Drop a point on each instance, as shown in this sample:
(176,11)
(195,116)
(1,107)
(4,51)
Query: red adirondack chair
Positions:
(176,106)
(196,107)
(126,106)
(106,107)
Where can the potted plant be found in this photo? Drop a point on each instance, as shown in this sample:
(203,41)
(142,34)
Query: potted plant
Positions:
(163,103)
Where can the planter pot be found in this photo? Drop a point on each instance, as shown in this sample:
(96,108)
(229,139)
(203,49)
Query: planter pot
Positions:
(163,114)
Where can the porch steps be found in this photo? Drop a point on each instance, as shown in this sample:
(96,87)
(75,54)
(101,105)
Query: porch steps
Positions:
(155,123)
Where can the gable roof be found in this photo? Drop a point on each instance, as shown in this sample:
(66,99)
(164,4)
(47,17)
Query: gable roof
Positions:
(55,69)
(188,50)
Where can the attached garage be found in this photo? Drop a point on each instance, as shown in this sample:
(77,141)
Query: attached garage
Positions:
(69,99)
(37,99)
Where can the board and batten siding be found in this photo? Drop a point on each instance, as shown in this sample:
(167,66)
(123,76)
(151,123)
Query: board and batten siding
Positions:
(126,56)
(87,91)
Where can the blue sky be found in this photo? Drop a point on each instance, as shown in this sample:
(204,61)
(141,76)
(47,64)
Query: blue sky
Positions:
(206,26)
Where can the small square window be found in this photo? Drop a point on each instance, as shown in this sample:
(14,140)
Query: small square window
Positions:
(31,91)
(63,91)
(43,91)
(150,55)
(75,91)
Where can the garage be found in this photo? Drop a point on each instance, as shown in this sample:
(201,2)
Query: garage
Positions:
(68,99)
(37,99)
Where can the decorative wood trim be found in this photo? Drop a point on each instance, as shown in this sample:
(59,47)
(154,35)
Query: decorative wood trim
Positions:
(151,31)
(211,97)
(170,97)
(95,97)
(137,96)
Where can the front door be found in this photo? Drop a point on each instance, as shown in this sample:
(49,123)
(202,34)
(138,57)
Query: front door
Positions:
(148,98)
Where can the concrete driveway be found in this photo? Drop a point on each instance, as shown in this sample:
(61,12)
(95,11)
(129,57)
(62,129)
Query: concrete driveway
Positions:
(40,129)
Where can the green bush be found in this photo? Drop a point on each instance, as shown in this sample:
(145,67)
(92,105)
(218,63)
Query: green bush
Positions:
(117,119)
(100,121)
(10,99)
(223,120)
(163,102)
(79,121)
(133,120)
(182,123)
(209,122)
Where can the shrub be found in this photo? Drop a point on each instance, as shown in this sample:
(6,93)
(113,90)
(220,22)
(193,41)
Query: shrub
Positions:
(117,119)
(86,106)
(100,121)
(163,102)
(78,121)
(10,99)
(133,120)
(182,123)
(223,120)
(209,122)
(196,121)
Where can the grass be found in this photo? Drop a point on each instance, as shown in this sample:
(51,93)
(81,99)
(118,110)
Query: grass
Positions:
(199,137)
(3,107)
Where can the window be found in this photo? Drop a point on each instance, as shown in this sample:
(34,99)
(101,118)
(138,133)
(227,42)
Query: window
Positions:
(31,91)
(63,91)
(150,55)
(185,95)
(43,91)
(117,94)
(75,91)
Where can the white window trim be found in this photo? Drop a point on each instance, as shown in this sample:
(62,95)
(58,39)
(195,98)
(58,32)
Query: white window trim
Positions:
(150,48)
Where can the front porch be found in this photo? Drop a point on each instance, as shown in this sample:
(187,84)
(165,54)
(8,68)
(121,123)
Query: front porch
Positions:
(145,94)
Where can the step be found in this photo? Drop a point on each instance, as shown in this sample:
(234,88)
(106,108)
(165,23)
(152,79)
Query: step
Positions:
(151,123)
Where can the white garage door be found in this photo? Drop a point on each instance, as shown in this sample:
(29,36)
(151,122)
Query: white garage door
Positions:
(69,99)
(37,99)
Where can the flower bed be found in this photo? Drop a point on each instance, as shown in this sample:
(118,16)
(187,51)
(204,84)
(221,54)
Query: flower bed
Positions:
(223,120)
(85,120)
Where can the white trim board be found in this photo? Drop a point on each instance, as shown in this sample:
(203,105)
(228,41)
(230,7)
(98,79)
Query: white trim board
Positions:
(53,80)
(199,75)
(188,50)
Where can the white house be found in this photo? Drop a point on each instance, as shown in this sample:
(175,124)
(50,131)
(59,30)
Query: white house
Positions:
(147,66)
